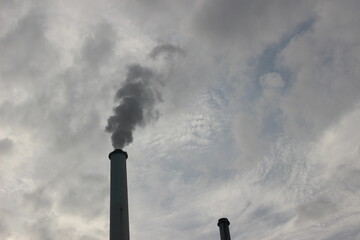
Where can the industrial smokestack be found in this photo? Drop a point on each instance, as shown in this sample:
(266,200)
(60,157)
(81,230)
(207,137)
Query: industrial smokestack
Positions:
(119,213)
(223,224)
(137,106)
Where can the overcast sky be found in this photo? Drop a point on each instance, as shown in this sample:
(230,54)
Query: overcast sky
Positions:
(252,113)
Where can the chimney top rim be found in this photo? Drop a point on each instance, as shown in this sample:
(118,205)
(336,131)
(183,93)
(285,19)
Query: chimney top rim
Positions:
(118,151)
(223,220)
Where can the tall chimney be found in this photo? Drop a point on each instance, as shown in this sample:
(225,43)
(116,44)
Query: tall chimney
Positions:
(223,224)
(119,213)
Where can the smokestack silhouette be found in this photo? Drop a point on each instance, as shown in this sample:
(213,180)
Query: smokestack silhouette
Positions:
(137,97)
(119,213)
(223,224)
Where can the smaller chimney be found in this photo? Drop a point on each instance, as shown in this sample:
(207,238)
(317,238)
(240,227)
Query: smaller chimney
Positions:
(223,224)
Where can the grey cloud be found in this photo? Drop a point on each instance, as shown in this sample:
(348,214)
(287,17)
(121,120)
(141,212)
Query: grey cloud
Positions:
(61,111)
(99,46)
(270,216)
(320,85)
(316,209)
(261,211)
(272,80)
(166,49)
(86,196)
(84,202)
(256,129)
(3,228)
(38,200)
(152,14)
(88,237)
(7,221)
(48,228)
(246,21)
(351,179)
(25,49)
(69,191)
(348,234)
(62,101)
(43,229)
(279,218)
(6,145)
(149,8)
(41,225)
(325,83)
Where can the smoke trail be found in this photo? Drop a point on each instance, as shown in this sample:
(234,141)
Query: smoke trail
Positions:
(137,97)
(166,49)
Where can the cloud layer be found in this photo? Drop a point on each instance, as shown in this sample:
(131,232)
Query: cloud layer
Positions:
(256,106)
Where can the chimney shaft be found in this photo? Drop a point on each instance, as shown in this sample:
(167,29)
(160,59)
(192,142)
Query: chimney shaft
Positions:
(119,213)
(223,224)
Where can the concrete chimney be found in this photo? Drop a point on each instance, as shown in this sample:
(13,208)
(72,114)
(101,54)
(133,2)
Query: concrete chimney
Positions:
(119,213)
(223,224)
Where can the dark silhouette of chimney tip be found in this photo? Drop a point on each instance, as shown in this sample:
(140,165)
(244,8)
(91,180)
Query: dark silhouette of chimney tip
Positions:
(223,224)
(223,220)
(118,151)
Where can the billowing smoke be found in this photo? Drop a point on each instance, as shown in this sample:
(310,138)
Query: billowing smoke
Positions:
(137,97)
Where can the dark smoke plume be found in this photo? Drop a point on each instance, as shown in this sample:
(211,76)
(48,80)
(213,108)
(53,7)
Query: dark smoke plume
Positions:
(137,97)
(166,49)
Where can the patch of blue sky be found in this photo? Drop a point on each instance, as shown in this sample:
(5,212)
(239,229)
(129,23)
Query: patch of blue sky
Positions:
(349,234)
(218,97)
(272,124)
(266,62)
